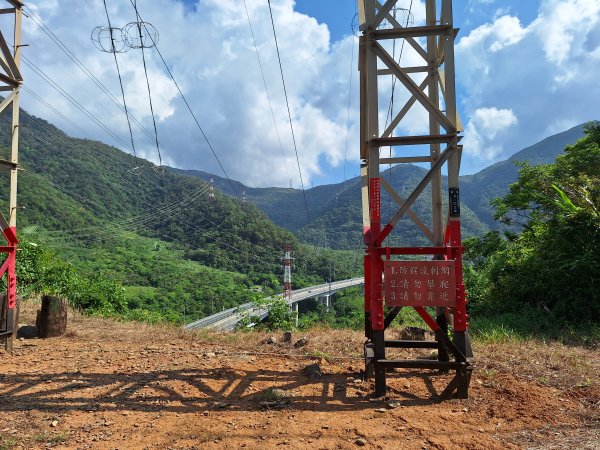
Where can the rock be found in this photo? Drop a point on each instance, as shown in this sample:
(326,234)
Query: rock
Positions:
(313,371)
(378,399)
(278,394)
(220,405)
(381,410)
(54,423)
(300,343)
(361,442)
(27,332)
(287,336)
(270,340)
(210,354)
(274,398)
(415,334)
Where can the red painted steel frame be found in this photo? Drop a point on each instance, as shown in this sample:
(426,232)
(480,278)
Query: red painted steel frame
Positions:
(373,260)
(9,265)
(373,265)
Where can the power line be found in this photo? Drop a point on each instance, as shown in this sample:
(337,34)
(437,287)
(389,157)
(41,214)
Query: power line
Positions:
(139,27)
(114,52)
(288,110)
(267,92)
(63,47)
(166,213)
(62,138)
(146,222)
(188,105)
(348,109)
(71,99)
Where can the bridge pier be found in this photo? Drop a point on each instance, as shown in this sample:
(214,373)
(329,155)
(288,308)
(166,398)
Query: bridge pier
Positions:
(325,300)
(295,309)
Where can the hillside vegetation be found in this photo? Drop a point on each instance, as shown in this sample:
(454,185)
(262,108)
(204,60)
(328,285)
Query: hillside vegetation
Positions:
(542,278)
(548,274)
(101,214)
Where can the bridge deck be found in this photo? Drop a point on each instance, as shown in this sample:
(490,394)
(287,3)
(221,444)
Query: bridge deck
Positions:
(228,319)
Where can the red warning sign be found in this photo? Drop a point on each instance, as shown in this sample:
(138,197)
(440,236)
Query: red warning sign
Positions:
(420,283)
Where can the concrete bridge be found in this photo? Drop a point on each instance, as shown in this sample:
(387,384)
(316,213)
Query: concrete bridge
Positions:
(227,320)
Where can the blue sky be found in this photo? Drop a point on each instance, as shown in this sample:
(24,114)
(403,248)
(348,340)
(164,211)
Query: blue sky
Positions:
(338,14)
(525,70)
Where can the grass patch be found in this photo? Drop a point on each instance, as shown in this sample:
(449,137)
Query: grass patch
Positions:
(515,327)
(52,439)
(6,443)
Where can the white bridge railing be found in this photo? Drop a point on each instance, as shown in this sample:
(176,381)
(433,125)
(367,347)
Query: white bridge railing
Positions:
(228,319)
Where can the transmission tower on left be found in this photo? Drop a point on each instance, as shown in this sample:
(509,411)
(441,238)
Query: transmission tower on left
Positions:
(10,82)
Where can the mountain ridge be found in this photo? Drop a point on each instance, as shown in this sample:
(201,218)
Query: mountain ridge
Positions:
(337,206)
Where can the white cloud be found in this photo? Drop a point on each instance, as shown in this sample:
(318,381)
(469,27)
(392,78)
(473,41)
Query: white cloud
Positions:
(563,26)
(544,72)
(483,128)
(477,5)
(503,32)
(209,49)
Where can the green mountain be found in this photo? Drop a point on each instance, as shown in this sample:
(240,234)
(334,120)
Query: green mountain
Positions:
(181,255)
(284,206)
(335,209)
(177,252)
(480,189)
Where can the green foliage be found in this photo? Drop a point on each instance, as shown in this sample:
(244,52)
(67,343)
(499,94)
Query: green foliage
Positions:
(40,271)
(280,317)
(552,268)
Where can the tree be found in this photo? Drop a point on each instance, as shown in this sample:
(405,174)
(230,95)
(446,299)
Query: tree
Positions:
(554,263)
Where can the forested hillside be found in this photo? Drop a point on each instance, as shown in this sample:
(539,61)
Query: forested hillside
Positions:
(336,212)
(124,219)
(546,275)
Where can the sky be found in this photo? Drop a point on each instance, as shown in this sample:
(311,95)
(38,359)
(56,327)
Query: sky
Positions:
(525,70)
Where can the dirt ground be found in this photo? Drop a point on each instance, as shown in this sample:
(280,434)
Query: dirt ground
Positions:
(111,385)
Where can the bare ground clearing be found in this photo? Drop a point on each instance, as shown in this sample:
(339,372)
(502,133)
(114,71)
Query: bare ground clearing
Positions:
(116,385)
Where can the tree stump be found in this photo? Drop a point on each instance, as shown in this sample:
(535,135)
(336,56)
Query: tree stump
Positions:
(7,341)
(52,318)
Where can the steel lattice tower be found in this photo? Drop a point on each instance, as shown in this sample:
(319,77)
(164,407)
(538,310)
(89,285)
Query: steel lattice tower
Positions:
(211,189)
(436,282)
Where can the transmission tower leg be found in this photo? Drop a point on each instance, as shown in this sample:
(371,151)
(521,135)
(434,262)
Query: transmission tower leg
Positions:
(379,346)
(11,80)
(442,321)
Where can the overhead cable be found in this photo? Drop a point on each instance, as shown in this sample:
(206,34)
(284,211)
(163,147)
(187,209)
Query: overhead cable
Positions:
(288,110)
(210,146)
(142,48)
(114,52)
(267,92)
